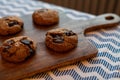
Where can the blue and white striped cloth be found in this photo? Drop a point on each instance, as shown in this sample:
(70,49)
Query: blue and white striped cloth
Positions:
(106,66)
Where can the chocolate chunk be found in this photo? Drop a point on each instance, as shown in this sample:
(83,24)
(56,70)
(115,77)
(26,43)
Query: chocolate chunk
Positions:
(58,39)
(31,51)
(54,35)
(6,48)
(26,42)
(69,33)
(10,42)
(12,23)
(6,19)
(11,54)
(22,25)
(42,10)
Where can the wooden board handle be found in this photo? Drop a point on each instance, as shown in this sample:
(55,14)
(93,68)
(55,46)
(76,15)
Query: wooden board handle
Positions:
(102,21)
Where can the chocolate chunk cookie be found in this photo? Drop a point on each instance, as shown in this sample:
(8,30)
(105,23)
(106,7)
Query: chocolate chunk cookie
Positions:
(10,25)
(45,17)
(61,39)
(17,49)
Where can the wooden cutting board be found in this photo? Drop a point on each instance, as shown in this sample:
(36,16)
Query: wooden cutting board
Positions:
(45,59)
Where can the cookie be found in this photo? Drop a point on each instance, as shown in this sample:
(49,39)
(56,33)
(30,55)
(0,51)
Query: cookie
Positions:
(61,39)
(45,17)
(10,25)
(17,49)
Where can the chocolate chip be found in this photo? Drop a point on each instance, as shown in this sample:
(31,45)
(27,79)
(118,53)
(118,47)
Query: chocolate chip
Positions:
(12,23)
(26,42)
(69,33)
(10,42)
(58,39)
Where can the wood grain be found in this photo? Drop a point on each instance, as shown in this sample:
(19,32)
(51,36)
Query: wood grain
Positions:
(93,6)
(45,59)
(102,9)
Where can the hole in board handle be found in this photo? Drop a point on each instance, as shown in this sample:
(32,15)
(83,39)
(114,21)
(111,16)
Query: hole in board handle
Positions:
(109,18)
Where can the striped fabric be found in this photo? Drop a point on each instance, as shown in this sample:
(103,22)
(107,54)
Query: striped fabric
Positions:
(106,66)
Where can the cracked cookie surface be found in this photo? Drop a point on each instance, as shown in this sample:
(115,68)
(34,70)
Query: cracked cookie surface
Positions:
(10,25)
(45,17)
(61,39)
(17,49)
